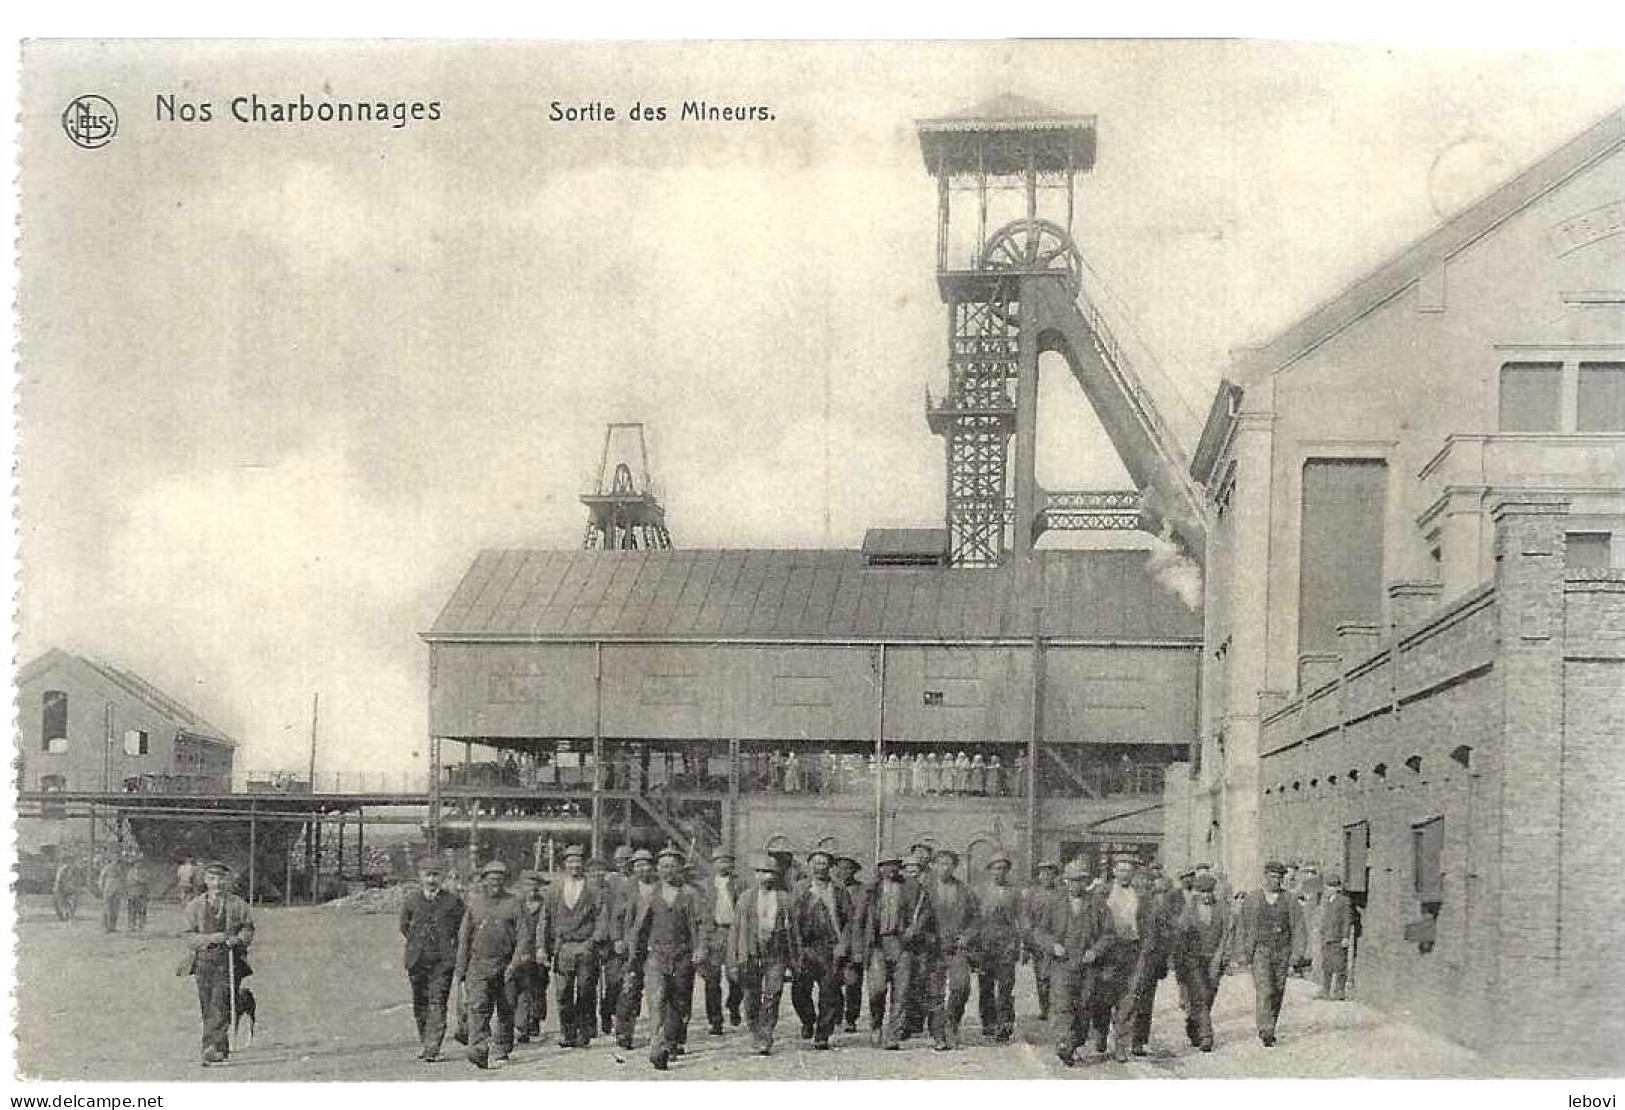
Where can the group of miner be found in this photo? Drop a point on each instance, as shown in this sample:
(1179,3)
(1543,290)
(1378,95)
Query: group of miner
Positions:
(609,941)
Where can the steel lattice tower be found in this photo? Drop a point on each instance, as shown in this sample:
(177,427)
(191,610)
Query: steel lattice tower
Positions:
(626,515)
(1012,294)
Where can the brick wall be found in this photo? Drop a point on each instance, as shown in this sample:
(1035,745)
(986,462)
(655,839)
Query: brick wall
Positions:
(1502,715)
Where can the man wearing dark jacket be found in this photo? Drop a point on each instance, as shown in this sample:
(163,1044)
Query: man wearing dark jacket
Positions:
(1200,949)
(527,993)
(899,929)
(823,922)
(999,949)
(1134,922)
(1074,932)
(491,951)
(1336,938)
(1270,938)
(625,912)
(577,926)
(846,876)
(959,917)
(430,918)
(722,892)
(763,945)
(219,929)
(1036,904)
(667,932)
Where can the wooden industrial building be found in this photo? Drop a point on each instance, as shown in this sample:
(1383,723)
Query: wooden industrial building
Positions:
(781,700)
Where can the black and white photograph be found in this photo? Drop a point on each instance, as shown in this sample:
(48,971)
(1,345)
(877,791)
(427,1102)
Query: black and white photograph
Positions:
(808,561)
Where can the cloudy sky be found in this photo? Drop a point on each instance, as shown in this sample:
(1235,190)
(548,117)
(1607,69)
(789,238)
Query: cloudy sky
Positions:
(280,384)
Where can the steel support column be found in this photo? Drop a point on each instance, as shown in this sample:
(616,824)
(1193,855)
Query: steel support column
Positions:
(1033,742)
(1026,424)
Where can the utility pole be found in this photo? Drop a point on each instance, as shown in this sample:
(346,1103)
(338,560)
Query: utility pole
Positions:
(315,720)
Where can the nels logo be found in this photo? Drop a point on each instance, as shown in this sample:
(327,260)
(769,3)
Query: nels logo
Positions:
(90,121)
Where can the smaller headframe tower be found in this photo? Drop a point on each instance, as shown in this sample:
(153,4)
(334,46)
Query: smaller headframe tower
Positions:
(622,512)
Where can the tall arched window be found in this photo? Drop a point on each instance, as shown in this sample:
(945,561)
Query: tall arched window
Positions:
(54,721)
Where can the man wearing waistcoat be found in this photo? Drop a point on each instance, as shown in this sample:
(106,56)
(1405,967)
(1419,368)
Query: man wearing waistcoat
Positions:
(899,928)
(1270,938)
(1073,929)
(430,919)
(667,931)
(577,926)
(823,922)
(218,930)
(762,947)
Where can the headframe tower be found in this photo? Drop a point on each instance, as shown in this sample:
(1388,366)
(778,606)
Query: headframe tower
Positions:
(1014,290)
(622,512)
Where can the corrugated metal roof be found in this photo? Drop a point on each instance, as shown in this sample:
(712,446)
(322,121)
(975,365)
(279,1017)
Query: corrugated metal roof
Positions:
(802,595)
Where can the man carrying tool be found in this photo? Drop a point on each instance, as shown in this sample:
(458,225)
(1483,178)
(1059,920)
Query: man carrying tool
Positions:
(218,930)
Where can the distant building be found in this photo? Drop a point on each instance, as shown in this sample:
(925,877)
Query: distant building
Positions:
(1414,637)
(84,726)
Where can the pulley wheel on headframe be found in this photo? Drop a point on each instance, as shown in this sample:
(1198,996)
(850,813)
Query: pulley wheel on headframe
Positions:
(1035,245)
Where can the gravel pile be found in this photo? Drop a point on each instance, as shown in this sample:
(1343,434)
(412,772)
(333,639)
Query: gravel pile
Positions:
(386,899)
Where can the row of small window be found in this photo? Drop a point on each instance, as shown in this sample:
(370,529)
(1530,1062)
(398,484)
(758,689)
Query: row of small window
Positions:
(1532,397)
(54,727)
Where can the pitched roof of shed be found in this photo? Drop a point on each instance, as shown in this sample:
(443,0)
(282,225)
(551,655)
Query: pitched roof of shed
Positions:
(801,595)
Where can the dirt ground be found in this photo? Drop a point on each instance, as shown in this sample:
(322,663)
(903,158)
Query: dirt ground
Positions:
(333,1005)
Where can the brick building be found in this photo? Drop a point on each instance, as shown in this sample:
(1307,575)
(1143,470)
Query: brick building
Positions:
(84,726)
(1415,625)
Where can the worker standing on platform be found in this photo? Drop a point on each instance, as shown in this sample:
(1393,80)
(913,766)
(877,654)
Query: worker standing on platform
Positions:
(1269,939)
(577,925)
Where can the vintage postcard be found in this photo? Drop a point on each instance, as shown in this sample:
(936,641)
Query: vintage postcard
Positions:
(750,561)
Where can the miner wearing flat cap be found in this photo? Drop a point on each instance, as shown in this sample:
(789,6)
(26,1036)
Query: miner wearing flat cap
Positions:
(668,934)
(846,876)
(958,915)
(1200,949)
(1270,939)
(900,924)
(1036,903)
(430,919)
(721,892)
(998,951)
(577,928)
(824,927)
(1336,938)
(763,946)
(491,951)
(219,929)
(1074,931)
